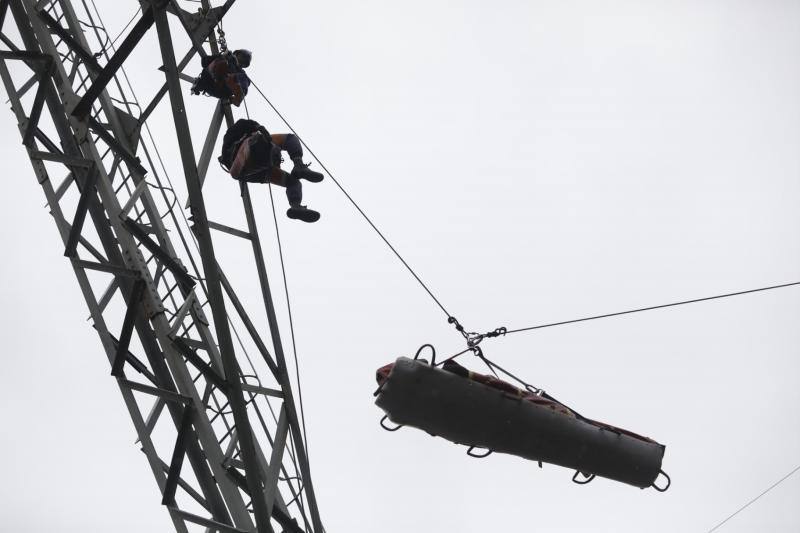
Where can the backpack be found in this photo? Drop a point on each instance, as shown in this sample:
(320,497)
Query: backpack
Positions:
(205,61)
(205,83)
(263,156)
(230,141)
(230,83)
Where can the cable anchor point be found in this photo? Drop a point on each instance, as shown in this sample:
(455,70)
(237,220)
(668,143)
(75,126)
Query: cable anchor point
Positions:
(474,338)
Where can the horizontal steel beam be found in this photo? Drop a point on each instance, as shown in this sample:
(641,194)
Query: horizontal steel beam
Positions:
(107,267)
(227,229)
(156,391)
(24,55)
(61,158)
(262,390)
(213,525)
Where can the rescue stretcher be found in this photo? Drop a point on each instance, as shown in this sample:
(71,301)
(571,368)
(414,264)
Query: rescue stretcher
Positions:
(484,412)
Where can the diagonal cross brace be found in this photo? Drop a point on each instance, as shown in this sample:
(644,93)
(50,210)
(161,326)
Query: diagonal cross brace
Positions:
(135,363)
(3,11)
(288,523)
(36,110)
(177,457)
(80,213)
(175,9)
(47,142)
(247,443)
(167,260)
(133,162)
(276,459)
(209,373)
(107,74)
(42,65)
(137,291)
(89,60)
(202,32)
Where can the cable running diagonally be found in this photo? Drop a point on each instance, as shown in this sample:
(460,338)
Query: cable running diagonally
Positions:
(430,293)
(291,320)
(745,506)
(651,308)
(350,198)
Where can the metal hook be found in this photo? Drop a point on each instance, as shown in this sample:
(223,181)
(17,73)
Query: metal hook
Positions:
(474,339)
(478,456)
(534,390)
(662,489)
(587,478)
(387,428)
(433,353)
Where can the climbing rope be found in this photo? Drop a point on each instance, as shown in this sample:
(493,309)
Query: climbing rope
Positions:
(651,308)
(745,506)
(473,339)
(352,201)
(291,323)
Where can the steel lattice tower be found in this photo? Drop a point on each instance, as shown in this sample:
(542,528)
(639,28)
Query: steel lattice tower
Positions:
(178,370)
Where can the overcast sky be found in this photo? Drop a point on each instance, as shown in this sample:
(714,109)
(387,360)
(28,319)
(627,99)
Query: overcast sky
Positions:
(534,162)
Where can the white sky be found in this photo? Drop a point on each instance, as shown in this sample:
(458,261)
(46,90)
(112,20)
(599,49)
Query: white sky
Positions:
(534,161)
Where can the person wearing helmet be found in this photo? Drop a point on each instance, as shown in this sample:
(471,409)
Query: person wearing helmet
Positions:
(243,57)
(223,76)
(251,154)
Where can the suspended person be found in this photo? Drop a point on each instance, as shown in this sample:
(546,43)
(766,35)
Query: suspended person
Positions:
(252,155)
(223,76)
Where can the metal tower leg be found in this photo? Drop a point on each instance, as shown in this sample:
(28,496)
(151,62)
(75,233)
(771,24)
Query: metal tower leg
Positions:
(154,301)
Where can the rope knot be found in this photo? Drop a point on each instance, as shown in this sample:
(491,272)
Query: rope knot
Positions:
(454,320)
(497,332)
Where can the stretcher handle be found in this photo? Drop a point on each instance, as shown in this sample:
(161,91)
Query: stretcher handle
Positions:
(433,353)
(665,487)
(478,456)
(586,478)
(387,428)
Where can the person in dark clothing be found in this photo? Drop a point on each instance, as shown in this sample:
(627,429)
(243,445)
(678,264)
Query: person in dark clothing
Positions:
(223,76)
(251,154)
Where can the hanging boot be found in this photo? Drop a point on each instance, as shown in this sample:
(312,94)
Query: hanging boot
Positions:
(301,171)
(301,212)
